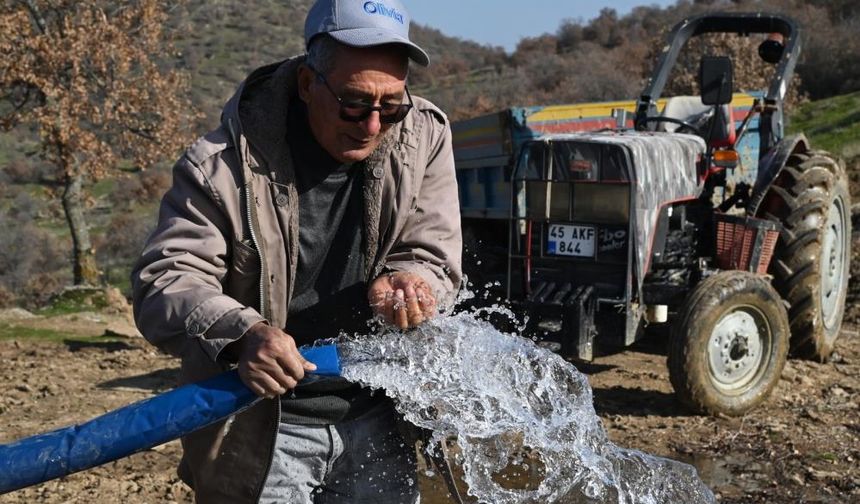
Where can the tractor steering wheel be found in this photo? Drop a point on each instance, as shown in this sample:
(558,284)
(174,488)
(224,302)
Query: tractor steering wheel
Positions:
(684,124)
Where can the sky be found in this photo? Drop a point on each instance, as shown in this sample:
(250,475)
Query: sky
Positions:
(505,22)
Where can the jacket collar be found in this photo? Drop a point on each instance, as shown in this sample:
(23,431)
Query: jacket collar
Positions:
(258,111)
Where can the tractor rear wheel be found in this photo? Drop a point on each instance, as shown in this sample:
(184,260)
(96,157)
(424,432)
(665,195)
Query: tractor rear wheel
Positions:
(811,263)
(729,344)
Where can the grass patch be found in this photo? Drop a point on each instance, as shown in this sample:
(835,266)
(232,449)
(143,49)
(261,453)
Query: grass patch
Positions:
(75,301)
(12,332)
(832,124)
(57,227)
(830,457)
(71,340)
(103,187)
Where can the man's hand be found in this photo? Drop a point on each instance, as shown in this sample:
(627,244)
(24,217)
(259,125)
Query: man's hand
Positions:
(269,363)
(403,299)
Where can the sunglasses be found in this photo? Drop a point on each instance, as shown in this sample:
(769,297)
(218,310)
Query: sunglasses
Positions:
(357,111)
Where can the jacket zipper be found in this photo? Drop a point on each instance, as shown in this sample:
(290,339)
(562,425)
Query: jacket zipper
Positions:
(263,302)
(249,215)
(255,241)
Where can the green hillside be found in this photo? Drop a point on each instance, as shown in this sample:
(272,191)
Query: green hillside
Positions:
(221,42)
(218,42)
(832,124)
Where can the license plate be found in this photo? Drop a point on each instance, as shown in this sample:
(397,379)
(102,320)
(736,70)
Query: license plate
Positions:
(577,241)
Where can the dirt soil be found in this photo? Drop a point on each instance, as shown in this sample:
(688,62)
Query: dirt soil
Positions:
(802,445)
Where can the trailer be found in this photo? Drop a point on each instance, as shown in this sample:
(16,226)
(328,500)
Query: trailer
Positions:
(486,147)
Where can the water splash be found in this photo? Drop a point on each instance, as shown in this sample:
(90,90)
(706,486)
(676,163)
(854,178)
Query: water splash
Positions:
(512,406)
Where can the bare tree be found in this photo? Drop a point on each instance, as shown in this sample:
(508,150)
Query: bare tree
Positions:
(89,76)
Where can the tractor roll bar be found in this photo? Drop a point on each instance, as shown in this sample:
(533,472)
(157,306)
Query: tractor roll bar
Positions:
(740,23)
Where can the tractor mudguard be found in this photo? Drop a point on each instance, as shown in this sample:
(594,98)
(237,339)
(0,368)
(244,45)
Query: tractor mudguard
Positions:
(771,165)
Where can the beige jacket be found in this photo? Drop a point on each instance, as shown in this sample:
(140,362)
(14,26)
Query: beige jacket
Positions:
(224,254)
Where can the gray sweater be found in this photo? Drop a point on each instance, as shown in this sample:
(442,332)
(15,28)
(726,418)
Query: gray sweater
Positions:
(330,293)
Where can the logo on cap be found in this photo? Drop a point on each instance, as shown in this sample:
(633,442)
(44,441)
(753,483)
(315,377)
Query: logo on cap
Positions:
(380,9)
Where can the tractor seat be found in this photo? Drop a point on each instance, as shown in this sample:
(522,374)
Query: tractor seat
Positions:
(691,109)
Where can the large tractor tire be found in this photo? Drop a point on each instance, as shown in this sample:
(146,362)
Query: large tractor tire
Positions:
(728,344)
(812,259)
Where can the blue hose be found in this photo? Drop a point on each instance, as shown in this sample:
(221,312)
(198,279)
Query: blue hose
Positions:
(136,427)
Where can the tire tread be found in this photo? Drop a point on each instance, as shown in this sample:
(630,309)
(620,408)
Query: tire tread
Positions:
(806,189)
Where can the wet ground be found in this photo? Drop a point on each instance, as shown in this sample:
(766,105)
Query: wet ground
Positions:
(802,445)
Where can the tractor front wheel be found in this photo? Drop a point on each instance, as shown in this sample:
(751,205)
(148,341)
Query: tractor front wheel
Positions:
(729,344)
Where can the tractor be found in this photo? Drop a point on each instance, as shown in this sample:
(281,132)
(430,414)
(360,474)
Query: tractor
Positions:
(692,213)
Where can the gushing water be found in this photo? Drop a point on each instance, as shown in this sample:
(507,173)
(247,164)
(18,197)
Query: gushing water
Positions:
(512,406)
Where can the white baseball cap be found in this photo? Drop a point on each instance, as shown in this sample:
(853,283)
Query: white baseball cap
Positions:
(360,23)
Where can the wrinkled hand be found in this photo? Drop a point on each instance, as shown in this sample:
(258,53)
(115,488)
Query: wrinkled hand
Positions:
(402,299)
(269,363)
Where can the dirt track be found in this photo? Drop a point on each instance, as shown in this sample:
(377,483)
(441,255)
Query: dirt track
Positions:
(803,445)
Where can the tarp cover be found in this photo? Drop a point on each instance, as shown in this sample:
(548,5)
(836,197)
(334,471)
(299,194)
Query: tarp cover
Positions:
(665,171)
(136,427)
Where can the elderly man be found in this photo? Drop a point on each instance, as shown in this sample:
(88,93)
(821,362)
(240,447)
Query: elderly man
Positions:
(326,194)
